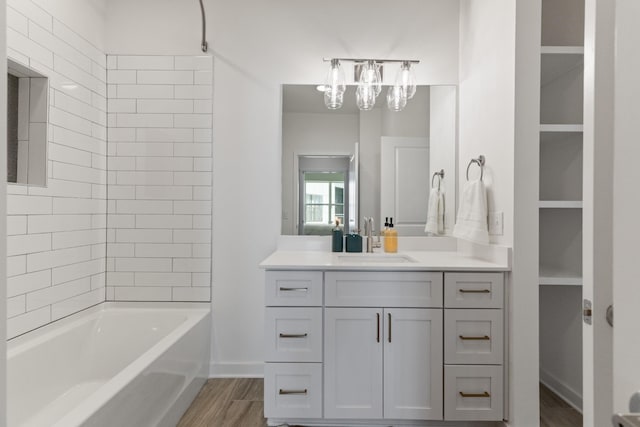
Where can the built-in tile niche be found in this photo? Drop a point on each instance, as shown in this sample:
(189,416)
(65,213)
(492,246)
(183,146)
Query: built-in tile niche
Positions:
(27,117)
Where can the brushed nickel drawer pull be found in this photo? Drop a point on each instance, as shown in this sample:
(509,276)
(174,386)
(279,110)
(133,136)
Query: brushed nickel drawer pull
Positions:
(474,291)
(482,338)
(292,391)
(294,335)
(485,394)
(294,289)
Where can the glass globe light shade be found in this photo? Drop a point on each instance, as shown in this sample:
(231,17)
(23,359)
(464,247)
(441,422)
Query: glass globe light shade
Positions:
(396,98)
(406,79)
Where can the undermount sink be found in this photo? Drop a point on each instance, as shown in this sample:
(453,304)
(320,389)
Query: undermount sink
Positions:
(367,258)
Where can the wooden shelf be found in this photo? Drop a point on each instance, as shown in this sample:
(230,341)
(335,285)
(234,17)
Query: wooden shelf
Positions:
(561,128)
(560,204)
(562,50)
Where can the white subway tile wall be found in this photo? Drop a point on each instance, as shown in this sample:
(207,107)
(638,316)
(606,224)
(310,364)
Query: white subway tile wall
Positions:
(56,241)
(159,161)
(125,220)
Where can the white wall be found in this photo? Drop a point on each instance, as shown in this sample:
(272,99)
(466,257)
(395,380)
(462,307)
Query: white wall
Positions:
(626,232)
(56,242)
(499,118)
(257,47)
(307,134)
(3,226)
(486,96)
(159,218)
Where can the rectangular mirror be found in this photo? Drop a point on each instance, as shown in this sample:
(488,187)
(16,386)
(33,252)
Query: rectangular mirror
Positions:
(348,164)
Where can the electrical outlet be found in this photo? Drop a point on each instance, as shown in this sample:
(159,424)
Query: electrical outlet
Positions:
(285,215)
(495,223)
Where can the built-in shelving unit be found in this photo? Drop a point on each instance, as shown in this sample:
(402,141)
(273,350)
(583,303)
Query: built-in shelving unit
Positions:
(561,196)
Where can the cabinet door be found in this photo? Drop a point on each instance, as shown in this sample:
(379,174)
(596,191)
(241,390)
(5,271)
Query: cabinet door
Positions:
(413,364)
(353,363)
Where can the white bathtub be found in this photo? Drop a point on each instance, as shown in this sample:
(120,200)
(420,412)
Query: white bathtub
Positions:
(116,364)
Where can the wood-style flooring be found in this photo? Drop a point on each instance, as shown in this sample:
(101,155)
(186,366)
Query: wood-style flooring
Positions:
(237,402)
(555,412)
(227,402)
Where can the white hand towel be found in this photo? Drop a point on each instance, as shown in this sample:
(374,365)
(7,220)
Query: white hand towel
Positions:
(471,223)
(435,213)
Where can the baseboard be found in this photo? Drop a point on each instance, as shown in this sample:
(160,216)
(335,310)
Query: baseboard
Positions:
(564,391)
(236,370)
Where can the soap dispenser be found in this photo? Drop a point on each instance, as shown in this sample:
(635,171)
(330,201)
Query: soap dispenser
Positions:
(353,242)
(336,238)
(391,239)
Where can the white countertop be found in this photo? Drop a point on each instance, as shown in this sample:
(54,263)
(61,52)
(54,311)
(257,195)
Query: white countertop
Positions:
(406,261)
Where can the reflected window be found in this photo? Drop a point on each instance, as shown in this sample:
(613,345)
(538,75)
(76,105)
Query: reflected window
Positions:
(323,198)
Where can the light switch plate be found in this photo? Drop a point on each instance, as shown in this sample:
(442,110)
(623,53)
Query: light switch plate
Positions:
(496,226)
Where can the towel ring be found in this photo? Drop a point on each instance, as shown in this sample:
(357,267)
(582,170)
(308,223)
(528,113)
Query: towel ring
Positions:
(440,176)
(480,162)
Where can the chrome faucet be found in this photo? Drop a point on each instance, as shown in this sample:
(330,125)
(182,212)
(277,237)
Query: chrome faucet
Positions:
(368,229)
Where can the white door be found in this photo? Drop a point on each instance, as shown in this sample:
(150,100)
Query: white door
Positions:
(404,183)
(597,226)
(353,363)
(413,364)
(626,205)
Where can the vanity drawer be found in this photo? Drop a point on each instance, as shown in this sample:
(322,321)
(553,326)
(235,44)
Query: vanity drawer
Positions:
(473,337)
(383,289)
(293,334)
(293,288)
(293,390)
(473,290)
(473,393)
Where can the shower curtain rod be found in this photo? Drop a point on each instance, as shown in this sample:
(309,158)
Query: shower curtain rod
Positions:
(204,46)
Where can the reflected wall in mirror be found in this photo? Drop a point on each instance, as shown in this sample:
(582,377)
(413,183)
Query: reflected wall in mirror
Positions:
(349,163)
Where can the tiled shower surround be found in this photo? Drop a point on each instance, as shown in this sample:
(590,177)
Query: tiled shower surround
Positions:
(144,236)
(159,213)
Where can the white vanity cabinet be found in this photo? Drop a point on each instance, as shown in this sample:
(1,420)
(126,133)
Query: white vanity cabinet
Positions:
(383,347)
(393,342)
(473,346)
(368,347)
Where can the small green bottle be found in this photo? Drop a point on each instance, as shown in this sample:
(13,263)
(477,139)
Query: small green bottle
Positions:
(336,240)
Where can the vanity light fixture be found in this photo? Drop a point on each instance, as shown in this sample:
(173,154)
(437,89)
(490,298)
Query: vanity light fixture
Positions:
(369,77)
(334,86)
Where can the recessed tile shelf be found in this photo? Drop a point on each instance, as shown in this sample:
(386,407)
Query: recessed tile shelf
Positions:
(27,122)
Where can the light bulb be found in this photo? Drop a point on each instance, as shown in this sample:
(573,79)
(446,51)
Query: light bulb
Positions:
(371,76)
(396,98)
(335,86)
(406,80)
(365,97)
(333,99)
